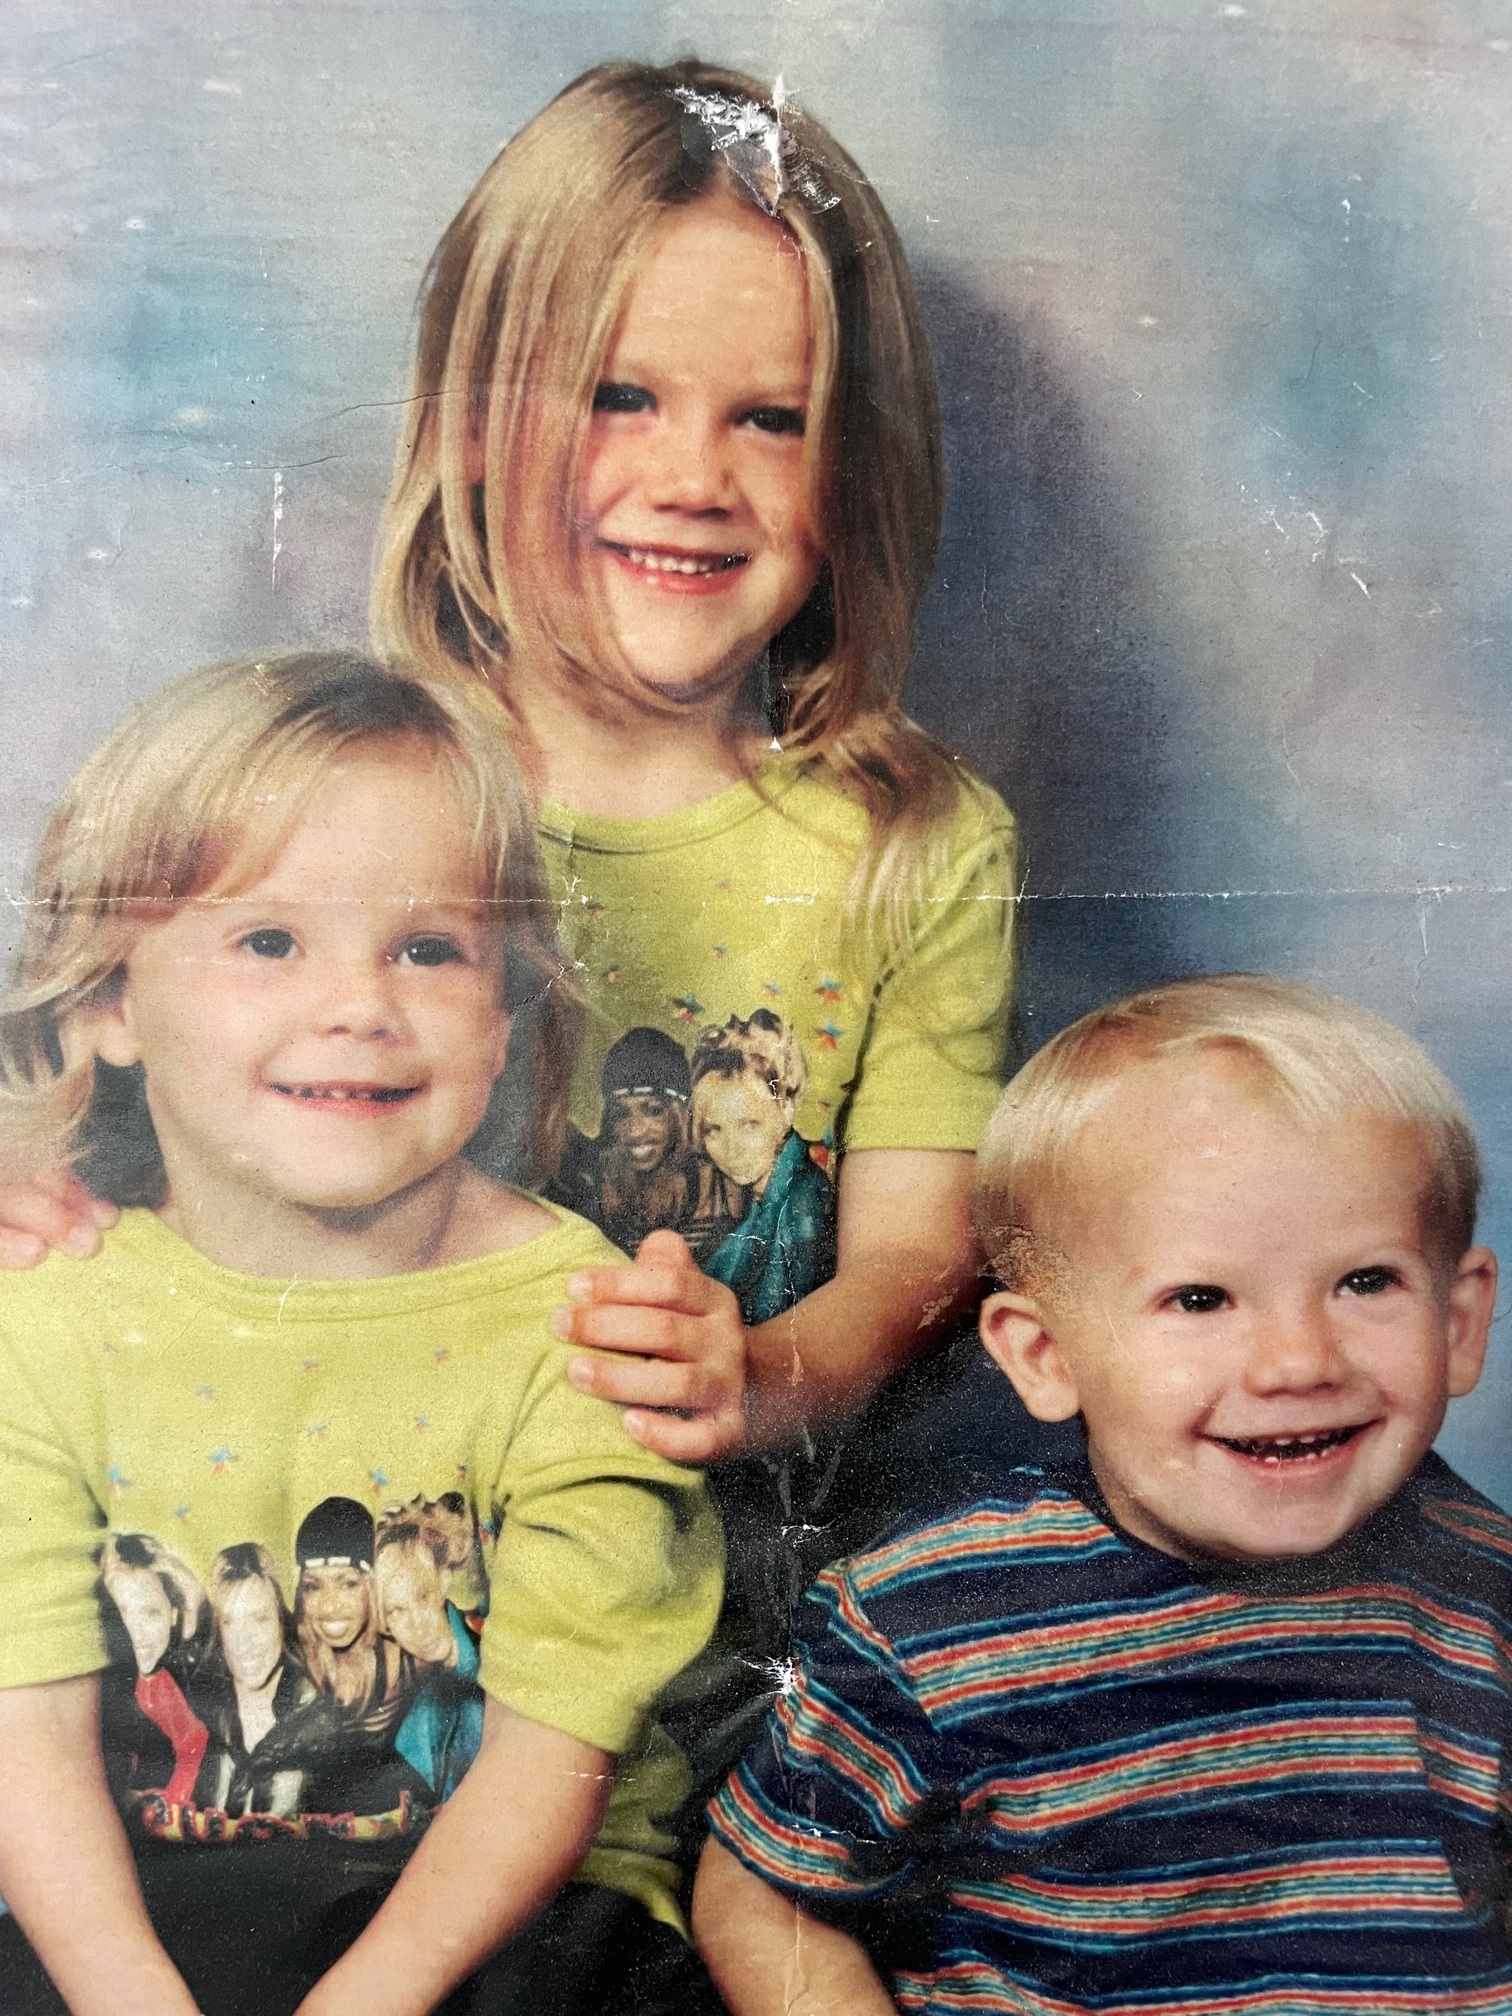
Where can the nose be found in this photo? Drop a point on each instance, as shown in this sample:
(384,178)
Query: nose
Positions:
(689,465)
(357,999)
(1293,1350)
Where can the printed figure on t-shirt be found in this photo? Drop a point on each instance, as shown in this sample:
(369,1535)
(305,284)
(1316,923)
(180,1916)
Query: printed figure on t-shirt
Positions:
(335,1617)
(163,1611)
(637,1177)
(252,1681)
(747,1080)
(412,1573)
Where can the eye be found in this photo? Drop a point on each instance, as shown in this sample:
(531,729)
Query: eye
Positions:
(777,420)
(613,397)
(431,950)
(268,943)
(1370,1281)
(1198,1298)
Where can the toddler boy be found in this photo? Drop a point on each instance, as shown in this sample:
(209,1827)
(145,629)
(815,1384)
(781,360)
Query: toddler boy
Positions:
(1216,1717)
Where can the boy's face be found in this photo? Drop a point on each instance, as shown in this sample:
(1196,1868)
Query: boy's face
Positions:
(328,1038)
(1245,1312)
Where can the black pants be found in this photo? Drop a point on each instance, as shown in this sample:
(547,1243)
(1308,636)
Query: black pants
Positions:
(253,1929)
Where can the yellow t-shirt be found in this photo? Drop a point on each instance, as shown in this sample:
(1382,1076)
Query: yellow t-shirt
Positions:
(709,942)
(300,1523)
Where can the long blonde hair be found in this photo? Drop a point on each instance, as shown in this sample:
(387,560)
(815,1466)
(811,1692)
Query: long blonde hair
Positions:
(524,293)
(176,803)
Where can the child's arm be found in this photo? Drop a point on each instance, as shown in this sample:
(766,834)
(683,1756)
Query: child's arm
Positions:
(496,1854)
(769,1957)
(907,1263)
(65,1868)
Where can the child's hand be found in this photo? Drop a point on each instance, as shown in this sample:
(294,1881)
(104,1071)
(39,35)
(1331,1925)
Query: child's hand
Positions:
(54,1210)
(680,1345)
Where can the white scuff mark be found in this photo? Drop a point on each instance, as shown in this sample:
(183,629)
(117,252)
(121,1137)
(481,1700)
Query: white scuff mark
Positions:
(1286,759)
(190,416)
(20,602)
(135,224)
(223,86)
(811,898)
(1344,205)
(1361,390)
(1359,584)
(278,504)
(1234,12)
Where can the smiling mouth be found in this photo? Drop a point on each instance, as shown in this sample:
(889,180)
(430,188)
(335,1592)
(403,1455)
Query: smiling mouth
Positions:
(662,562)
(343,1094)
(1279,1449)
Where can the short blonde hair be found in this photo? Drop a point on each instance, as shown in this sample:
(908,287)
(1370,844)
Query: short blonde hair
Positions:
(1324,1058)
(760,1046)
(524,294)
(197,790)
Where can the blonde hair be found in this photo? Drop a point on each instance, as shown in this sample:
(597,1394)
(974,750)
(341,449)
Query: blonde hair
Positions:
(760,1046)
(1323,1058)
(525,292)
(196,791)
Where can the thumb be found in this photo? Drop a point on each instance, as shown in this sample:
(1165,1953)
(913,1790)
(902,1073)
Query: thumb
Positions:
(665,1249)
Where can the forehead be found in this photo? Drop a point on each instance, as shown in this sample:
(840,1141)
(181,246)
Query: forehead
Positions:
(389,813)
(1201,1150)
(718,286)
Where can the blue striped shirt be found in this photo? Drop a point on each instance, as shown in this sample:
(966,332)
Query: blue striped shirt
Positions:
(1043,1767)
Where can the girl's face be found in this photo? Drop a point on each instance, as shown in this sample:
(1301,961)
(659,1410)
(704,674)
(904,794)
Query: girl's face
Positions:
(327,1039)
(740,1126)
(335,1603)
(145,1611)
(251,1632)
(412,1593)
(645,1126)
(694,511)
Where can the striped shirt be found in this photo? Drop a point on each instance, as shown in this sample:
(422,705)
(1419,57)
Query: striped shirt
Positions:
(1042,1767)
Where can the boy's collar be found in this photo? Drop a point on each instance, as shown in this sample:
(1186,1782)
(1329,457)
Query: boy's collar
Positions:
(1378,1543)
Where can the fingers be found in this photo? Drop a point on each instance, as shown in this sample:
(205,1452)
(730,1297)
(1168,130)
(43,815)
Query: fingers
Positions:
(58,1212)
(647,1382)
(708,1438)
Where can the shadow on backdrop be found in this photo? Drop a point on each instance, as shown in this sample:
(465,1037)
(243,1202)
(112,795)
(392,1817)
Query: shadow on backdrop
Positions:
(1041,658)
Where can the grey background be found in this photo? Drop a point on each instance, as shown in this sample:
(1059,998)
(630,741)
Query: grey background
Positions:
(1222,310)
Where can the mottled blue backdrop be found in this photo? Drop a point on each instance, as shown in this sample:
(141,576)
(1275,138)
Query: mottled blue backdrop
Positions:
(1222,309)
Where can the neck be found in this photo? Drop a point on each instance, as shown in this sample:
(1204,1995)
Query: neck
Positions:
(600,751)
(451,1215)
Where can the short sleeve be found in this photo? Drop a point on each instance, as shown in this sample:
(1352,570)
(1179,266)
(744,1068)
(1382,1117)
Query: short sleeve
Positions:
(831,1801)
(606,1569)
(931,1068)
(50,1527)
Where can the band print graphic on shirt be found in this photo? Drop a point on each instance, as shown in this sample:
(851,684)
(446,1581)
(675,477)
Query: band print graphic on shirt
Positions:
(231,1712)
(705,1145)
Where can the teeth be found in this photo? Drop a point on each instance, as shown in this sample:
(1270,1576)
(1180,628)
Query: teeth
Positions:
(387,1095)
(682,563)
(1289,1448)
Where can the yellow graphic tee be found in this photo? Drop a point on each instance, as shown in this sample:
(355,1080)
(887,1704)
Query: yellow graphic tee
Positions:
(300,1525)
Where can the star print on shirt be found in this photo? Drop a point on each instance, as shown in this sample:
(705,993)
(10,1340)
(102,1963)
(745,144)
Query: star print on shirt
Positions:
(686,1007)
(220,1460)
(828,1035)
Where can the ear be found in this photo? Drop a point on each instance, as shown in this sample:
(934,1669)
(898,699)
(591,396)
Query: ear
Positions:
(1472,1300)
(107,1022)
(1019,1334)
